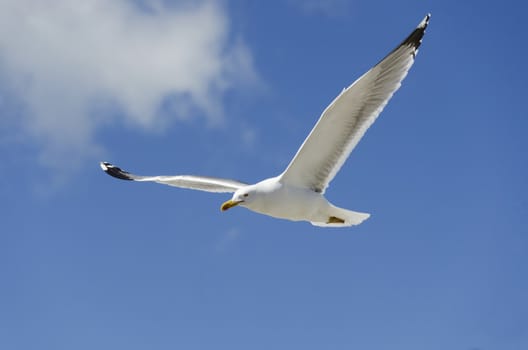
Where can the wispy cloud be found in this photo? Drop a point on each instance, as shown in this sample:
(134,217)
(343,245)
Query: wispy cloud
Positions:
(249,138)
(329,8)
(227,240)
(69,68)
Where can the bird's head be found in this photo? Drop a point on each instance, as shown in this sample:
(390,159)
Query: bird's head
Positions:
(242,197)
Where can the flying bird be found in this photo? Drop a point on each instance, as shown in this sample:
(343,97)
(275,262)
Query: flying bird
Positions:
(298,193)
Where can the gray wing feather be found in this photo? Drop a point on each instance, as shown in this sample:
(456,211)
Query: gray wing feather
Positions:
(201,183)
(348,117)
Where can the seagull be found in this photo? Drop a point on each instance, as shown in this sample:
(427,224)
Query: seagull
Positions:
(298,193)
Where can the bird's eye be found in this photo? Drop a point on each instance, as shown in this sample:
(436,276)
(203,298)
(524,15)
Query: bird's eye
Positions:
(246,194)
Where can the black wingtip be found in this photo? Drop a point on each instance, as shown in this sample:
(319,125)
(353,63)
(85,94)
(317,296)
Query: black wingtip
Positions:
(425,21)
(415,39)
(114,171)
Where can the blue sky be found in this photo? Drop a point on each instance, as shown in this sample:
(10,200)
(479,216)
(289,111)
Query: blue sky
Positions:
(231,89)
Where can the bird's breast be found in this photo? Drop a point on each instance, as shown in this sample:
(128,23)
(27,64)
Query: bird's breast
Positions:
(288,203)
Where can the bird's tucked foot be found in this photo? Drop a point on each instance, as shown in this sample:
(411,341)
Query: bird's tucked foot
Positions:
(335,220)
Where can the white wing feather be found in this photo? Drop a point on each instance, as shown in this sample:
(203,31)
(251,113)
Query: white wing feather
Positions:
(202,183)
(348,117)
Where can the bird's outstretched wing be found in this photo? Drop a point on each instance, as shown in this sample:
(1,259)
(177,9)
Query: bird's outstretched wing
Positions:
(202,183)
(346,119)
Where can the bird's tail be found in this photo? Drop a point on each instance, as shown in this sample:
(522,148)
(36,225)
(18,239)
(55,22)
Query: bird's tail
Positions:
(339,217)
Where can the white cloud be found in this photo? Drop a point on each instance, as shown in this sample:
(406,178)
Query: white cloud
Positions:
(75,66)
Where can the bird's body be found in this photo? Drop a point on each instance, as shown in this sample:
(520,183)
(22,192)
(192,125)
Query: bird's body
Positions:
(298,193)
(273,198)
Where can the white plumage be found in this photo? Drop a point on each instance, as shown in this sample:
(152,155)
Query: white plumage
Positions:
(298,193)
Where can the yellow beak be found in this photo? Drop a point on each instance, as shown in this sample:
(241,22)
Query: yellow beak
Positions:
(229,204)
